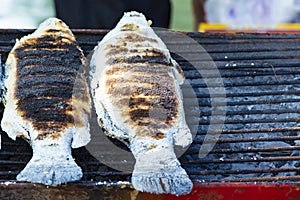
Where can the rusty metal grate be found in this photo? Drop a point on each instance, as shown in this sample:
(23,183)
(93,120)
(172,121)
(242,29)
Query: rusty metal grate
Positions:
(261,135)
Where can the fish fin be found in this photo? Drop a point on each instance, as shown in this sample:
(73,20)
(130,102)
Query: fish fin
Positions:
(183,137)
(81,137)
(50,170)
(81,107)
(174,180)
(10,124)
(111,130)
(11,121)
(177,72)
(2,78)
(160,172)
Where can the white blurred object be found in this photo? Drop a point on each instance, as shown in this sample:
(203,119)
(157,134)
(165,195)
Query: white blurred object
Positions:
(251,13)
(25,13)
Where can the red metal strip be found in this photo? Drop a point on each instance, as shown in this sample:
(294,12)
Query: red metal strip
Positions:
(240,191)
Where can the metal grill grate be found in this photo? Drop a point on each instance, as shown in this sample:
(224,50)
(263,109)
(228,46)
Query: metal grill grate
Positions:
(260,139)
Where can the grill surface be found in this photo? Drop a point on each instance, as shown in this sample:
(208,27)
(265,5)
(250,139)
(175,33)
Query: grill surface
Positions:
(260,137)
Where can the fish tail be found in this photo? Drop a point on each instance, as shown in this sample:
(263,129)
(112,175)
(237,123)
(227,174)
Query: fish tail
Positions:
(168,178)
(51,170)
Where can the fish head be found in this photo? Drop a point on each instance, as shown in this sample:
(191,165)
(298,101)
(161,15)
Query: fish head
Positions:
(55,26)
(54,23)
(132,21)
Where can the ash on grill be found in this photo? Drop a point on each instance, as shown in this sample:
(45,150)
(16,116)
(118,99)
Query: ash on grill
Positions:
(260,138)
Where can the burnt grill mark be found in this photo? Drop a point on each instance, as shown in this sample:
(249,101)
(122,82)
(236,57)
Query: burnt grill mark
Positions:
(27,93)
(49,70)
(46,80)
(134,103)
(150,68)
(156,92)
(113,46)
(149,55)
(133,37)
(159,136)
(51,46)
(48,116)
(36,104)
(158,59)
(59,31)
(165,102)
(138,114)
(129,27)
(152,79)
(159,90)
(119,91)
(50,38)
(46,53)
(139,123)
(53,31)
(132,81)
(49,127)
(123,50)
(117,50)
(48,121)
(153,133)
(70,62)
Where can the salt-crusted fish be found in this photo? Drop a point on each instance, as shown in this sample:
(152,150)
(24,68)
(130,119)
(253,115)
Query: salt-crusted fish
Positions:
(135,86)
(47,102)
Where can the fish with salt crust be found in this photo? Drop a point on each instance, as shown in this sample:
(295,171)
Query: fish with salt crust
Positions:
(135,86)
(47,102)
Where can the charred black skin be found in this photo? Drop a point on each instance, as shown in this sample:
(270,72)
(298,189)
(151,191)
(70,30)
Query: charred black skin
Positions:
(46,71)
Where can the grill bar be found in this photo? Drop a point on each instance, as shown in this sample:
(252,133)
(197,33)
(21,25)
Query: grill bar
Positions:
(247,161)
(275,150)
(255,180)
(269,130)
(251,139)
(254,171)
(261,179)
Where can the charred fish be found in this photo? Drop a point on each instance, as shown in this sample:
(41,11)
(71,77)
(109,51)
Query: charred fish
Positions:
(47,102)
(135,85)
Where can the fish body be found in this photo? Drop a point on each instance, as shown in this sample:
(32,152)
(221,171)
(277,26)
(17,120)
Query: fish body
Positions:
(47,102)
(135,85)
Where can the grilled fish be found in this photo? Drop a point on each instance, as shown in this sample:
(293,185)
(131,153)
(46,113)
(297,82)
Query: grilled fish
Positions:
(135,86)
(47,102)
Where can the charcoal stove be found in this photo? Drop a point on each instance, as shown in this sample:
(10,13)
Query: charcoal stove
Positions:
(257,153)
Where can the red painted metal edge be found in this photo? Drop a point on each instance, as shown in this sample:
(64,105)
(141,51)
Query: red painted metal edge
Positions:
(203,191)
(240,191)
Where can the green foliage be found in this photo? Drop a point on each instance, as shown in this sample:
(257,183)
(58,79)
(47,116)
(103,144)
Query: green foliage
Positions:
(182,15)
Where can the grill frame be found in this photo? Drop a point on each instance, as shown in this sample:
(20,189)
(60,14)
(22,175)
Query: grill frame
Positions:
(246,61)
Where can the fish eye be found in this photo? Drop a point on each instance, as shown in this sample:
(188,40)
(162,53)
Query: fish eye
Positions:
(134,15)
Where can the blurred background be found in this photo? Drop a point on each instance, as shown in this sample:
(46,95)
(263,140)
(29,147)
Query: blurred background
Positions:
(24,13)
(246,16)
(180,15)
(30,13)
